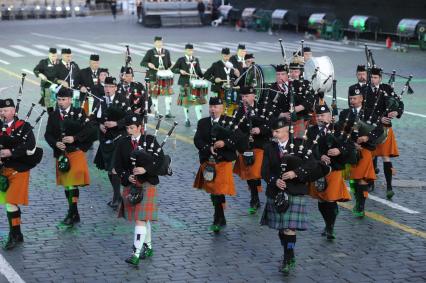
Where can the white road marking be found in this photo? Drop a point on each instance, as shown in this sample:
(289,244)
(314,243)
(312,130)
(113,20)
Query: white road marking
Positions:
(327,46)
(405,112)
(135,46)
(341,43)
(42,47)
(75,49)
(10,52)
(392,204)
(202,47)
(28,50)
(58,37)
(28,71)
(150,46)
(121,49)
(4,62)
(7,270)
(100,49)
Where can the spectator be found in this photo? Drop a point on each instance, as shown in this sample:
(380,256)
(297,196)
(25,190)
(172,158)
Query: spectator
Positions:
(201,11)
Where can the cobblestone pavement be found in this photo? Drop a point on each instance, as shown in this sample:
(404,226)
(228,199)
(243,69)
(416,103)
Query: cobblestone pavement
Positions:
(387,246)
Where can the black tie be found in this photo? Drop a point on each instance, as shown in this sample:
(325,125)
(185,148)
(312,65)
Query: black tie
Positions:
(64,113)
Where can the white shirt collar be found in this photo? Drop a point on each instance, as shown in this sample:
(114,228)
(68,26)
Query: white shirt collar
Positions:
(283,144)
(136,139)
(66,110)
(10,123)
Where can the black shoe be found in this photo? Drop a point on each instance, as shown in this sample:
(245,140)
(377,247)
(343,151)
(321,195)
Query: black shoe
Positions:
(324,232)
(76,218)
(13,241)
(114,204)
(169,116)
(69,220)
(187,123)
(221,222)
(389,194)
(330,234)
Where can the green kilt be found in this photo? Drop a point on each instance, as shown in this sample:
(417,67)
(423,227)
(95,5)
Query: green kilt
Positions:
(294,218)
(48,99)
(186,99)
(146,210)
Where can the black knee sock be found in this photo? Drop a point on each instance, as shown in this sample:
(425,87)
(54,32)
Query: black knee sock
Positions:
(74,195)
(218,202)
(116,185)
(387,170)
(14,219)
(333,209)
(253,184)
(289,242)
(360,190)
(375,162)
(322,207)
(67,195)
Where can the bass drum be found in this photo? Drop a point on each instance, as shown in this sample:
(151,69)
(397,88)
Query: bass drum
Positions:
(322,82)
(260,76)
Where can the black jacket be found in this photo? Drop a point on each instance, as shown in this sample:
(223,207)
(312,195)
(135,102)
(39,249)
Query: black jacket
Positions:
(307,170)
(123,165)
(304,96)
(205,134)
(19,160)
(86,78)
(47,68)
(183,64)
(135,94)
(238,65)
(217,70)
(73,124)
(61,72)
(152,56)
(253,120)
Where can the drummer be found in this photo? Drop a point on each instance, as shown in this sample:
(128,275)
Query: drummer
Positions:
(307,53)
(158,60)
(189,69)
(222,74)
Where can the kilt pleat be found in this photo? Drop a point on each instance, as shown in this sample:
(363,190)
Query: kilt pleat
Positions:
(146,210)
(78,175)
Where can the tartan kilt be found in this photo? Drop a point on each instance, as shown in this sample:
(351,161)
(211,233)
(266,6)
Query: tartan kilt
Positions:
(47,98)
(186,98)
(364,169)
(249,172)
(157,90)
(336,188)
(223,183)
(294,218)
(78,175)
(146,210)
(389,147)
(17,193)
(229,107)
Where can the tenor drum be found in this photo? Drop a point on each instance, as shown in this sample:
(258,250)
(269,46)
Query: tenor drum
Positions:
(322,81)
(199,87)
(164,78)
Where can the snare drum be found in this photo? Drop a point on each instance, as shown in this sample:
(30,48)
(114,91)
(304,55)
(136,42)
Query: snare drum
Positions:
(164,78)
(199,88)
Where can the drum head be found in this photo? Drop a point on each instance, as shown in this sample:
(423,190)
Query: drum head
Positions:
(325,69)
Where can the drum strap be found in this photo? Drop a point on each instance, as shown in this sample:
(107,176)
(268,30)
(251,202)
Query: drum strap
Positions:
(228,72)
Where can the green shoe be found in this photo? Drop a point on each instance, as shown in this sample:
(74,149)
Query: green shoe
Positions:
(133,260)
(146,252)
(292,263)
(389,194)
(330,235)
(359,214)
(252,210)
(215,228)
(285,268)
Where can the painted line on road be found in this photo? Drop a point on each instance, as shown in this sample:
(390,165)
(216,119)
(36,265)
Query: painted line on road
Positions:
(28,71)
(391,204)
(10,52)
(387,221)
(13,74)
(4,62)
(57,37)
(372,215)
(405,112)
(7,270)
(27,50)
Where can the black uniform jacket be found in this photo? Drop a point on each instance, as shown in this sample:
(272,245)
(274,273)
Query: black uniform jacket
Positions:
(17,145)
(47,68)
(183,63)
(73,124)
(217,70)
(61,72)
(205,135)
(123,165)
(152,56)
(87,79)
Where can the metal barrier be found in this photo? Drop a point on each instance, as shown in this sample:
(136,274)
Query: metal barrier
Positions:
(282,17)
(363,24)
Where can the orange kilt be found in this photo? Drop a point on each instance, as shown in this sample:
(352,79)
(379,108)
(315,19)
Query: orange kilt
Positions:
(17,193)
(364,169)
(336,188)
(79,171)
(389,147)
(223,183)
(249,172)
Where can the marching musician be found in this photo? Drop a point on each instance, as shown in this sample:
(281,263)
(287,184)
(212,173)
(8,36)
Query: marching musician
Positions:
(45,70)
(70,136)
(303,99)
(286,172)
(88,78)
(362,173)
(361,76)
(158,59)
(383,95)
(134,177)
(188,67)
(109,114)
(222,73)
(244,78)
(307,54)
(66,71)
(13,154)
(238,60)
(132,90)
(98,88)
(280,92)
(215,141)
(255,133)
(332,150)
